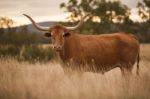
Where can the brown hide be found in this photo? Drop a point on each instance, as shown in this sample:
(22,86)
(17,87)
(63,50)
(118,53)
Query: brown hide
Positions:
(105,51)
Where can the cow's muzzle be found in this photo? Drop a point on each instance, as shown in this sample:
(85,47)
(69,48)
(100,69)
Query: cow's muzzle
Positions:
(57,48)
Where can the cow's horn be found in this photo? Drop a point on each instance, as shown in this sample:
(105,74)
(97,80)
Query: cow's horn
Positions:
(79,24)
(36,25)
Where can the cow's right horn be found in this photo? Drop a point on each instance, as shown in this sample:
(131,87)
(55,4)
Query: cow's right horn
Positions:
(36,25)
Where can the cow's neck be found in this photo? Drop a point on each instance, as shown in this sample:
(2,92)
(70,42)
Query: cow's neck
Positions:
(64,53)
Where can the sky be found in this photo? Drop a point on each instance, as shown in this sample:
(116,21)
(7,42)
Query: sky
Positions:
(43,10)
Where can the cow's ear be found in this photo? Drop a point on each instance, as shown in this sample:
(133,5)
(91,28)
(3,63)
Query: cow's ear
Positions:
(47,34)
(67,34)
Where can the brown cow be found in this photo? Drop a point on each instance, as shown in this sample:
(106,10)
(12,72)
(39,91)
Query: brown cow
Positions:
(101,52)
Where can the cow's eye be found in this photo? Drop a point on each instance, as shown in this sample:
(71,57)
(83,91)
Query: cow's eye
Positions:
(47,34)
(66,34)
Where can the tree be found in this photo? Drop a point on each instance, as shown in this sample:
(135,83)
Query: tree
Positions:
(144,10)
(103,14)
(106,10)
(6,22)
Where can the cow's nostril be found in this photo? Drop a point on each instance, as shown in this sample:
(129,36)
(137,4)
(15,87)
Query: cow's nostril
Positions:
(54,46)
(57,47)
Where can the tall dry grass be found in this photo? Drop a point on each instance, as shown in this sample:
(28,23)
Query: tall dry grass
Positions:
(22,80)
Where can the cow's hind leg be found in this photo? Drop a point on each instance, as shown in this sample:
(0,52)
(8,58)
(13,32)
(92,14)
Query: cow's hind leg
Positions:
(127,73)
(126,70)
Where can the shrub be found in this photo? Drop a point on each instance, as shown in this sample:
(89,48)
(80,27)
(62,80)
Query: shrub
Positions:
(9,50)
(34,53)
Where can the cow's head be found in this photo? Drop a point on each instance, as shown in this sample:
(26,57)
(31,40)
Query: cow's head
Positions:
(58,32)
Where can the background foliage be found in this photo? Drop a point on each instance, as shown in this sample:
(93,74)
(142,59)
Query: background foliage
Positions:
(113,15)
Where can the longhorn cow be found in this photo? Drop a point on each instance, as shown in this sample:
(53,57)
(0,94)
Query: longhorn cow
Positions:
(100,53)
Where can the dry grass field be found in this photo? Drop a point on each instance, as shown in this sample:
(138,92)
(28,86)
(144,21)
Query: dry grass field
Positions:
(23,80)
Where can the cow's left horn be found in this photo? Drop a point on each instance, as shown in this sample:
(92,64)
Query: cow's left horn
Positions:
(79,24)
(36,25)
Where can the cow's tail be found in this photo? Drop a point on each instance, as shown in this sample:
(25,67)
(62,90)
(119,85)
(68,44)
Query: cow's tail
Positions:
(138,61)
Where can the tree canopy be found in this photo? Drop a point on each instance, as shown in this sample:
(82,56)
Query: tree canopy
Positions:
(144,10)
(105,10)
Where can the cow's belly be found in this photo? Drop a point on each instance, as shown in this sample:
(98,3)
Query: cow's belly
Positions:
(91,64)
